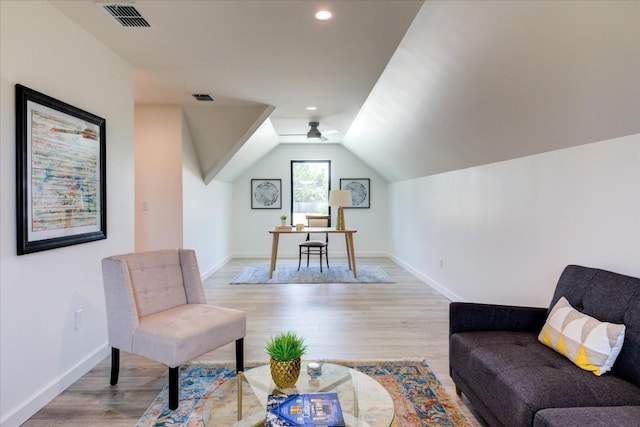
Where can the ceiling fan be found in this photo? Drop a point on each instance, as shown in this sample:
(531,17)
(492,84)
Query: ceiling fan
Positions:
(314,132)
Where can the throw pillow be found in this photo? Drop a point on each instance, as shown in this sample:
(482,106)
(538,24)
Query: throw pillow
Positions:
(589,343)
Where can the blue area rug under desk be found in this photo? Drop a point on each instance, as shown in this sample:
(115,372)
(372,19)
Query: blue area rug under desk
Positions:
(289,274)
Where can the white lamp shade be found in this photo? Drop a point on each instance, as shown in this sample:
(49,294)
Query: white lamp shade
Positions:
(340,198)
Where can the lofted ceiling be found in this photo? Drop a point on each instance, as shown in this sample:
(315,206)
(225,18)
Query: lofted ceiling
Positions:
(251,55)
(477,82)
(411,88)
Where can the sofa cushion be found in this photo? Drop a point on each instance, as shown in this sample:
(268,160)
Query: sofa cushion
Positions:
(619,416)
(628,363)
(609,297)
(517,376)
(590,344)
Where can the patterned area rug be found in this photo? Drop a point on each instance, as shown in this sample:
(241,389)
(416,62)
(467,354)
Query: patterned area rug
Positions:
(418,396)
(335,274)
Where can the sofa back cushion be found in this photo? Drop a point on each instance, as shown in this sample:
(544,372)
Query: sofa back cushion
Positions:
(609,297)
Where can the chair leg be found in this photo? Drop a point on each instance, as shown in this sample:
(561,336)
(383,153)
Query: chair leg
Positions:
(320,260)
(240,355)
(299,256)
(326,257)
(174,386)
(308,250)
(115,365)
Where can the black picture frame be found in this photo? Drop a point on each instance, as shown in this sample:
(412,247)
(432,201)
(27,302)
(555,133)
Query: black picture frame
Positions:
(266,194)
(360,192)
(61,183)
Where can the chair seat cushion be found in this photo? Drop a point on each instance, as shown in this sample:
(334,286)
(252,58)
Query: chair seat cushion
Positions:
(180,334)
(314,243)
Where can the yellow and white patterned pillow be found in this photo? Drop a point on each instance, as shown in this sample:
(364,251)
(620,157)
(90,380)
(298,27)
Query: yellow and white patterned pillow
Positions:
(589,343)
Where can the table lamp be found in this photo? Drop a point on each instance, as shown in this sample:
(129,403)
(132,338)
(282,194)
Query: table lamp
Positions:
(340,198)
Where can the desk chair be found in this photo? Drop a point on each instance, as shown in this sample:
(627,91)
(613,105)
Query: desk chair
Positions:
(156,308)
(315,246)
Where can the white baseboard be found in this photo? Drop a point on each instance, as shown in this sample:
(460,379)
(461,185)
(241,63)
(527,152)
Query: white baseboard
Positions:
(215,267)
(442,290)
(49,392)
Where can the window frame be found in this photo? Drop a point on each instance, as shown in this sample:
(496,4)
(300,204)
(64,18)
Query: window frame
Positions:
(292,188)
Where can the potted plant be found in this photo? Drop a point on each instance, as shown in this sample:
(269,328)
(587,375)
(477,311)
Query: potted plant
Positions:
(285,350)
(284,219)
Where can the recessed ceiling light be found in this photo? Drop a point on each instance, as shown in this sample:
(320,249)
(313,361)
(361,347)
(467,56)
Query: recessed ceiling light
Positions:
(323,15)
(311,108)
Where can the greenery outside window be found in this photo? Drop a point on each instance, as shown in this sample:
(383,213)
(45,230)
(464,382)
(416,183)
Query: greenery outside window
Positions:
(310,184)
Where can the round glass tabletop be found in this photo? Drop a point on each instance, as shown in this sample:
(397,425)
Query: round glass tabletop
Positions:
(242,401)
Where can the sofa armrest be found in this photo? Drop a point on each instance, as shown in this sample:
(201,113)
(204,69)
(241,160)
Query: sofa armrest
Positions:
(468,317)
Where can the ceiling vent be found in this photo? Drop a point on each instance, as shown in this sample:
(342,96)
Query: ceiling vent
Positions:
(126,14)
(202,97)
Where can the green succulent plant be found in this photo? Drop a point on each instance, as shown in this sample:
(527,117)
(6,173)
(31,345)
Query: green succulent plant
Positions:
(283,217)
(286,346)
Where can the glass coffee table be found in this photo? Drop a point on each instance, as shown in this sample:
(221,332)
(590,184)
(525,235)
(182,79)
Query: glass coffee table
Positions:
(242,401)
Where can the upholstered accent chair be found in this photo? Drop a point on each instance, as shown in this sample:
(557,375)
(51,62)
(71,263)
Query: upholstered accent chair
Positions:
(156,308)
(313,245)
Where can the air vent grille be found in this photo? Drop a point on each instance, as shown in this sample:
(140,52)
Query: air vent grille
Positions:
(126,15)
(202,97)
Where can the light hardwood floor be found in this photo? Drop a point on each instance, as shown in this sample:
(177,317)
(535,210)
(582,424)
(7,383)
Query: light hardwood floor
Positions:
(406,319)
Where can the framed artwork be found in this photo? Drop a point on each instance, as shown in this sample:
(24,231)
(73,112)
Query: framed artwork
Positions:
(60,173)
(266,194)
(360,191)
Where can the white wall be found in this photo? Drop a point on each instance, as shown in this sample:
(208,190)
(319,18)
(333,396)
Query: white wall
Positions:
(40,352)
(206,212)
(250,226)
(158,136)
(174,207)
(506,230)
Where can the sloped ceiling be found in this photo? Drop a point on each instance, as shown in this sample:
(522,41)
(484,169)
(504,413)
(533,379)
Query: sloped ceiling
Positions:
(475,82)
(253,54)
(259,144)
(219,132)
(412,88)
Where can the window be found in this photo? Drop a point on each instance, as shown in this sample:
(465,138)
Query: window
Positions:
(310,184)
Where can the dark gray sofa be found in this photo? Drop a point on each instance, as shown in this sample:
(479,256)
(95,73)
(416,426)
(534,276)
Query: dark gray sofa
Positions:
(512,379)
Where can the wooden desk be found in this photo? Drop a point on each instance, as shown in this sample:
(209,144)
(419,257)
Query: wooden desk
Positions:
(348,236)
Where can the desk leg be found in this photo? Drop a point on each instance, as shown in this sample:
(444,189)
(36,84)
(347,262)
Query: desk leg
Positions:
(351,252)
(274,254)
(346,240)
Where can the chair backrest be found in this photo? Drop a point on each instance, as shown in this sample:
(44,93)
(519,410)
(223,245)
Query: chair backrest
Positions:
(319,221)
(144,283)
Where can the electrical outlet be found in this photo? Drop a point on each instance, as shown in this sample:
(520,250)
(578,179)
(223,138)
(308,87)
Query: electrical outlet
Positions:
(77,319)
